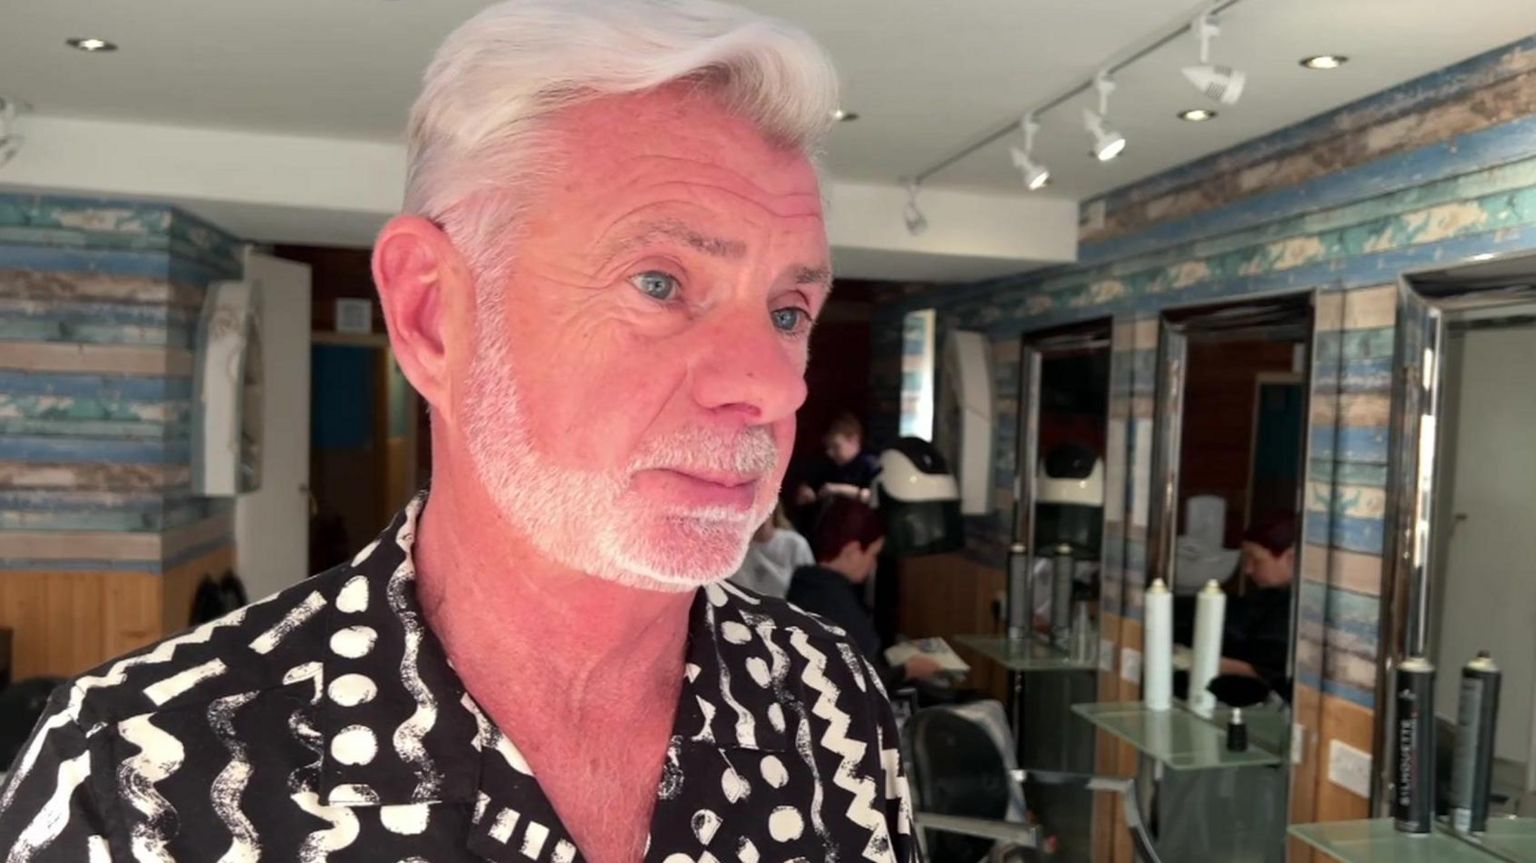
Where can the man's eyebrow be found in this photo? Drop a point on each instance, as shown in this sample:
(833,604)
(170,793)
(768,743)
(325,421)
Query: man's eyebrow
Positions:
(646,232)
(814,276)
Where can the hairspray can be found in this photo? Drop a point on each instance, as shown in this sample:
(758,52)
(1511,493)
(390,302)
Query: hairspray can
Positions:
(1413,747)
(1063,566)
(1472,770)
(1021,605)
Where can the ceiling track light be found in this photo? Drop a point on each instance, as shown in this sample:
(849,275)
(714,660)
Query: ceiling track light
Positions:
(1036,175)
(917,223)
(1107,143)
(1221,84)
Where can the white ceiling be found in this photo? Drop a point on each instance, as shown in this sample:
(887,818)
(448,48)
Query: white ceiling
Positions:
(926,77)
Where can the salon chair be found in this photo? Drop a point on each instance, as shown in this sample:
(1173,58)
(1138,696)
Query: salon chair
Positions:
(968,793)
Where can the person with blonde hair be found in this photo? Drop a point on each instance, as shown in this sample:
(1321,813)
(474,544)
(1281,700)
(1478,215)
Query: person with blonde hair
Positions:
(612,251)
(776,551)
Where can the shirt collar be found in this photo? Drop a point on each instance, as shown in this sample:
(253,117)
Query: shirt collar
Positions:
(430,736)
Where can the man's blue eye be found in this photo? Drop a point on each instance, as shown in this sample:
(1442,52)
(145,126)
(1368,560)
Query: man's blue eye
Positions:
(656,285)
(789,320)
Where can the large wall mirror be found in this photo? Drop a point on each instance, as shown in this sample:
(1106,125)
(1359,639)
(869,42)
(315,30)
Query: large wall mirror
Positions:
(1461,556)
(1228,474)
(1063,462)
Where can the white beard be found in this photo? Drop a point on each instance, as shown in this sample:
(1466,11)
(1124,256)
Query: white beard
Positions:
(592,521)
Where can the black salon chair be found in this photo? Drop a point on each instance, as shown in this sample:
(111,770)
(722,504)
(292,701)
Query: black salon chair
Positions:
(967,791)
(969,806)
(21,706)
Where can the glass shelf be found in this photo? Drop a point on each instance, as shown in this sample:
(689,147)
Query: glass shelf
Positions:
(1510,838)
(1024,655)
(1377,841)
(1175,737)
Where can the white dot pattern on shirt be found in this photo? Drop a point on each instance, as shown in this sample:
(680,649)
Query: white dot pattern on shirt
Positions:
(735,633)
(354,745)
(408,819)
(351,690)
(785,824)
(736,789)
(354,642)
(705,823)
(758,669)
(353,596)
(774,772)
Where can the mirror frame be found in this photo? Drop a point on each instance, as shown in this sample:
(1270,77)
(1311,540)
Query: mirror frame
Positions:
(1034,347)
(1417,402)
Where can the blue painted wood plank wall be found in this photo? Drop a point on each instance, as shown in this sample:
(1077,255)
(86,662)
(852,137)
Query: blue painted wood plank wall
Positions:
(98,307)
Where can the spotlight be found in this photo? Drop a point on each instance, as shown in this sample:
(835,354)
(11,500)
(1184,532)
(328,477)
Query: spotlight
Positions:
(1197,115)
(1036,175)
(917,223)
(1107,143)
(90,45)
(842,116)
(1324,61)
(1221,84)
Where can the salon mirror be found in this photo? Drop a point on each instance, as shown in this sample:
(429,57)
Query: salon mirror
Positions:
(1059,520)
(1229,469)
(1474,540)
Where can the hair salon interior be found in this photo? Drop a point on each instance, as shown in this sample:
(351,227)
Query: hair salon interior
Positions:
(1194,343)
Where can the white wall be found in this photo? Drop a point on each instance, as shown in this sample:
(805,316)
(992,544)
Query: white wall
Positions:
(331,191)
(1488,596)
(272,523)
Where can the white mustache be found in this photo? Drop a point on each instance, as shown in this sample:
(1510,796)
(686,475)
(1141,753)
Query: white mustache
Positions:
(750,453)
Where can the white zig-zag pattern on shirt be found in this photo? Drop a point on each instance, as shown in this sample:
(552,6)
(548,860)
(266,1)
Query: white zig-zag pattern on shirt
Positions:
(861,811)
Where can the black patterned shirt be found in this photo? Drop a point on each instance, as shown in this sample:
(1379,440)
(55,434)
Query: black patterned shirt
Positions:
(326,723)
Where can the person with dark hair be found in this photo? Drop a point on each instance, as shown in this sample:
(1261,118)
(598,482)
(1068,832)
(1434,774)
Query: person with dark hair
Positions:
(847,543)
(1257,637)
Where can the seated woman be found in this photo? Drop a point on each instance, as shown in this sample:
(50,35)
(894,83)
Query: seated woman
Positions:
(1257,637)
(847,543)
(774,554)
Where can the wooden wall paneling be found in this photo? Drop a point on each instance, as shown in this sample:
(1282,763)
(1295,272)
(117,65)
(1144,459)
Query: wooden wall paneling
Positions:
(945,595)
(1307,713)
(1351,724)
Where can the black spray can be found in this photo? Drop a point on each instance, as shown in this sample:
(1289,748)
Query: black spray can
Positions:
(1476,723)
(1413,747)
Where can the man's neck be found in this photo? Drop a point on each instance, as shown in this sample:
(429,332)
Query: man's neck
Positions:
(513,621)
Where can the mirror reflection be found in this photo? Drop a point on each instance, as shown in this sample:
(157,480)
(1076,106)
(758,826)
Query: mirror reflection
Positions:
(1480,601)
(1219,613)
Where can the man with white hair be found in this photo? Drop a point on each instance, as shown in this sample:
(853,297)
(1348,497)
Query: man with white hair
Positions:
(612,253)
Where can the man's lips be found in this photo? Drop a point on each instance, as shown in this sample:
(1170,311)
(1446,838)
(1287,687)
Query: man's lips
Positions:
(694,487)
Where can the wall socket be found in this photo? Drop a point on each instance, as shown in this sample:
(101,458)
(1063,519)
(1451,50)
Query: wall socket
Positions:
(1130,665)
(1349,768)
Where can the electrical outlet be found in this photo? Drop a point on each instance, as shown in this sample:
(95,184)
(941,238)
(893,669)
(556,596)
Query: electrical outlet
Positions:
(1130,665)
(1349,768)
(1107,655)
(1298,743)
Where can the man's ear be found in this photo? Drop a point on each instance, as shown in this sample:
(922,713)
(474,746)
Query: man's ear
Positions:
(422,282)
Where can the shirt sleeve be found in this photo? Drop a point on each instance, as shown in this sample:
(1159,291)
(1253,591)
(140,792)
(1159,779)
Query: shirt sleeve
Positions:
(50,808)
(895,802)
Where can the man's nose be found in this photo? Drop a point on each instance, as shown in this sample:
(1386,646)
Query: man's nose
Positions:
(742,364)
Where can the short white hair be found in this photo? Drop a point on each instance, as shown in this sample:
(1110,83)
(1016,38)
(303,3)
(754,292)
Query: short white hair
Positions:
(499,77)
